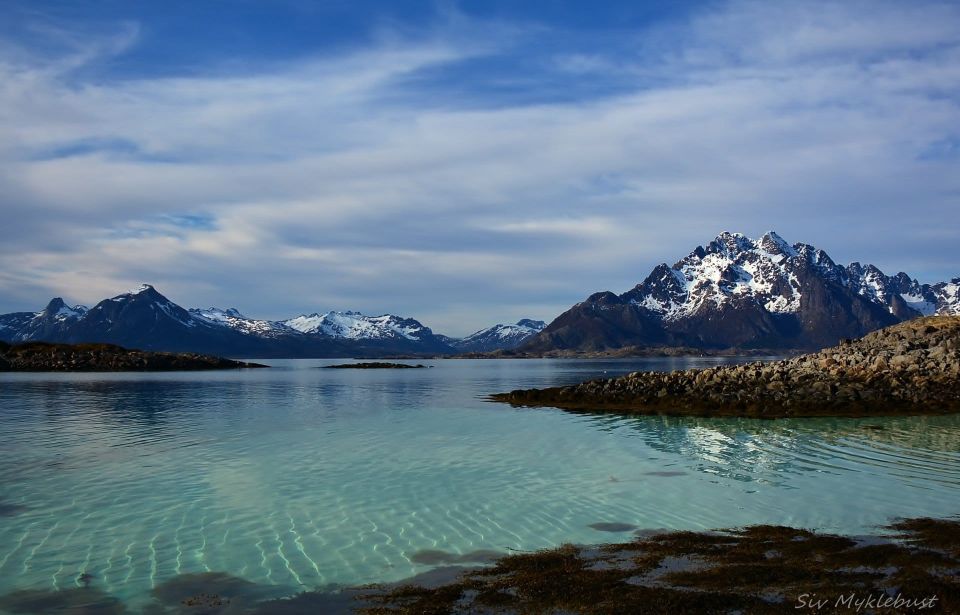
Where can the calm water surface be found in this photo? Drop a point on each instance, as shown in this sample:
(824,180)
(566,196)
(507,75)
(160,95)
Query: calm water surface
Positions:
(303,478)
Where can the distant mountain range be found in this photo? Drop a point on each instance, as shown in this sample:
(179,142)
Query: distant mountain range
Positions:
(746,294)
(145,319)
(735,293)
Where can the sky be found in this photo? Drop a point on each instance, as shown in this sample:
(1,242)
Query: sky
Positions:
(462,162)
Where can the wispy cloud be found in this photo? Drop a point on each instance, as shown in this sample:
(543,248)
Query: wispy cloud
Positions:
(405,176)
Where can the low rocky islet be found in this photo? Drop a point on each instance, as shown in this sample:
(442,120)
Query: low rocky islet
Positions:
(44,357)
(909,368)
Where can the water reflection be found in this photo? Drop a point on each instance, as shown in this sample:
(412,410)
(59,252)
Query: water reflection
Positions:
(921,448)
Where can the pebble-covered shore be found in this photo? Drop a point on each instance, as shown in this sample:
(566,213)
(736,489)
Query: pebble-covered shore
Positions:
(909,368)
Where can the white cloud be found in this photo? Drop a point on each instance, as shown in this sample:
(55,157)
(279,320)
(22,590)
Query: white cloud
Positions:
(577,227)
(327,189)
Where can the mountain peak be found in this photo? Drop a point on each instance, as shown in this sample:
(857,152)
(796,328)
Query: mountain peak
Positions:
(725,235)
(144,290)
(730,244)
(59,310)
(773,243)
(55,305)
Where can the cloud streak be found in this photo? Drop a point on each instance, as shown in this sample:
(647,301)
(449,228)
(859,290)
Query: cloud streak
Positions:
(370,179)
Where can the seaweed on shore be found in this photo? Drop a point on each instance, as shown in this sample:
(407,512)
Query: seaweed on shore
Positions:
(759,569)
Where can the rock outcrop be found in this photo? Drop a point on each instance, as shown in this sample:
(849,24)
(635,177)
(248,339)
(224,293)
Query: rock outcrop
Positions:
(909,368)
(43,357)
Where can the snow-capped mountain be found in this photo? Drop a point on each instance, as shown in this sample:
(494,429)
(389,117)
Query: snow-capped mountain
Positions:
(388,331)
(739,292)
(143,318)
(500,336)
(391,333)
(355,326)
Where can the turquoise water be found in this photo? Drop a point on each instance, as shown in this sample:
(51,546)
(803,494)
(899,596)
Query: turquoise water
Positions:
(303,478)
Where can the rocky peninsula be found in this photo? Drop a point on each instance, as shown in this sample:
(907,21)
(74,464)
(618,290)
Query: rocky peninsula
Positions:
(43,357)
(909,368)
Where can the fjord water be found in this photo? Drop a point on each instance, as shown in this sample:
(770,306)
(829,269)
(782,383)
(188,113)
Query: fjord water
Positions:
(303,478)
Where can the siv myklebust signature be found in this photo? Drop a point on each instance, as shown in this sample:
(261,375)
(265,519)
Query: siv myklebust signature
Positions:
(868,602)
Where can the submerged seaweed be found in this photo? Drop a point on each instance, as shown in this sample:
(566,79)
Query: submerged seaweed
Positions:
(74,601)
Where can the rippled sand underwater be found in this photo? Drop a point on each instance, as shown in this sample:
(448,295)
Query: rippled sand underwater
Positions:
(128,486)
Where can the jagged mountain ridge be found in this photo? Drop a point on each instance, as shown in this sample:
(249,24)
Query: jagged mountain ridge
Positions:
(500,336)
(741,293)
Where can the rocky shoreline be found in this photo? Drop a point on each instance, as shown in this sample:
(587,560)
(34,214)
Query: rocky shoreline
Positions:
(909,368)
(43,357)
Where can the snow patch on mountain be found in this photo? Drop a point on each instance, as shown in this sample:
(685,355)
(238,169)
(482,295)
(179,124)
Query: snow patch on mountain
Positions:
(67,312)
(233,319)
(171,310)
(919,303)
(947,297)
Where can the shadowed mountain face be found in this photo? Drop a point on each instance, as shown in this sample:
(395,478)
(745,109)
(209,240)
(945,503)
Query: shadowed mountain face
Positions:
(750,294)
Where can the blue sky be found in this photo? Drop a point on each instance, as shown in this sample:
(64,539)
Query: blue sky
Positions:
(463,163)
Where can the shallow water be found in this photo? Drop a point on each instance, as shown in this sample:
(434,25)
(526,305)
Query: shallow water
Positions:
(303,478)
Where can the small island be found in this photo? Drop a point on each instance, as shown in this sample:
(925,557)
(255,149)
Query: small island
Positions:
(44,357)
(374,365)
(910,368)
